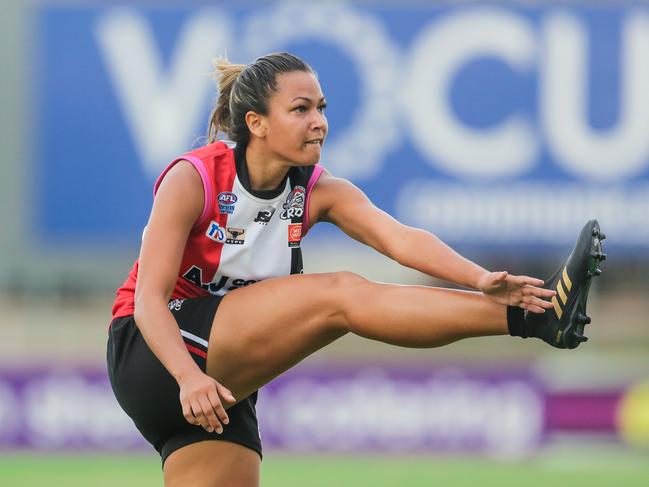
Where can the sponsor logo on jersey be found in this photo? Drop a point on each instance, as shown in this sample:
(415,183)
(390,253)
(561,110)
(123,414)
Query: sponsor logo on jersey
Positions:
(215,232)
(235,236)
(264,216)
(217,287)
(293,207)
(227,201)
(294,234)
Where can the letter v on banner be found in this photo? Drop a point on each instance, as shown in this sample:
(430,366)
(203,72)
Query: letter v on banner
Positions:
(161,107)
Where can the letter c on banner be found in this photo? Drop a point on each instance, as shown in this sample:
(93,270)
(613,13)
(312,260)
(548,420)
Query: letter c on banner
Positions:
(359,151)
(437,54)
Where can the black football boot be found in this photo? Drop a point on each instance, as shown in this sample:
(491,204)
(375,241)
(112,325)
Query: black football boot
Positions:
(563,326)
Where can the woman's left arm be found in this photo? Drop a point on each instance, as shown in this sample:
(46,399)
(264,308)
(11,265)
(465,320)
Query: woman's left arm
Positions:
(338,201)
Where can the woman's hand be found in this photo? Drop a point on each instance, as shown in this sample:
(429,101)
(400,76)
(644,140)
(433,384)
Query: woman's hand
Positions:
(200,397)
(522,291)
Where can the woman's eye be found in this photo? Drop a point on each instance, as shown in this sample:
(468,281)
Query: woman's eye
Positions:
(322,108)
(300,109)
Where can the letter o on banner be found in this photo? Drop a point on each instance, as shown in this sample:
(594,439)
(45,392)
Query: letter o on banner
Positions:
(357,152)
(438,53)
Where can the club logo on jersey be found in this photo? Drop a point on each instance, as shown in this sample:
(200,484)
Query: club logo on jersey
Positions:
(175,304)
(215,232)
(235,236)
(293,207)
(294,234)
(226,202)
(264,216)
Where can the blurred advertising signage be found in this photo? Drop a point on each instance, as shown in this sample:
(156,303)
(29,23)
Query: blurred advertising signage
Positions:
(484,123)
(74,409)
(369,409)
(379,410)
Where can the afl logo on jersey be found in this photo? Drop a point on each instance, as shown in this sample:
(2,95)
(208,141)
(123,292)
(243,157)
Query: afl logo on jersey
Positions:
(294,205)
(226,202)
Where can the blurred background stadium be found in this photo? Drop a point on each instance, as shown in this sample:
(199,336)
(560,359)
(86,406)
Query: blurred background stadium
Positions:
(501,127)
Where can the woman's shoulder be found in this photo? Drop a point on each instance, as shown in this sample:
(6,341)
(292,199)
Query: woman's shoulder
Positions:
(213,149)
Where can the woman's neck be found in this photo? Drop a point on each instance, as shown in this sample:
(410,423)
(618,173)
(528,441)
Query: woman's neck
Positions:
(264,171)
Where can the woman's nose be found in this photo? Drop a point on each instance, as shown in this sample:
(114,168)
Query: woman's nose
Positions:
(319,122)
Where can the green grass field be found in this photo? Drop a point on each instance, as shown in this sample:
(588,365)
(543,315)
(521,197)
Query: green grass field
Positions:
(560,469)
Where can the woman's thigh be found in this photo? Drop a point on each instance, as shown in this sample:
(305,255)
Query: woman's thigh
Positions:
(264,329)
(212,464)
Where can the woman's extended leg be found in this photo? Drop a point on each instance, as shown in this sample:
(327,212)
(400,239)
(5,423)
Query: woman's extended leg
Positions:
(260,331)
(264,329)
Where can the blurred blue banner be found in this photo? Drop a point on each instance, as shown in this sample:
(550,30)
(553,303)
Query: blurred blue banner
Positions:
(490,125)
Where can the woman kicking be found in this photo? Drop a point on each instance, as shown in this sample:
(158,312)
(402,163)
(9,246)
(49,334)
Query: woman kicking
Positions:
(217,306)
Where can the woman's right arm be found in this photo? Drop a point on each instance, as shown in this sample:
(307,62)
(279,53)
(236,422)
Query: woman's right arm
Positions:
(176,207)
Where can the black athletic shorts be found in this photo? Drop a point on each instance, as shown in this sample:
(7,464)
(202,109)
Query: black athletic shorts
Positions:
(150,395)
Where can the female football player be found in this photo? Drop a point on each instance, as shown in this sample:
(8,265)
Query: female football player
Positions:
(217,306)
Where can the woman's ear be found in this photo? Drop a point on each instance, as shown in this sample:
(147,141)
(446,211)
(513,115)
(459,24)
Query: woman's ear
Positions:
(256,124)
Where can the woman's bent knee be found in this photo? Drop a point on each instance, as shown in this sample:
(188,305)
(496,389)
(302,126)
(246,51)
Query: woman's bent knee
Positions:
(341,282)
(344,288)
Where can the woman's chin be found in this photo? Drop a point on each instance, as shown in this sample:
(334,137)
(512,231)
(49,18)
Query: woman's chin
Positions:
(308,156)
(306,160)
(313,154)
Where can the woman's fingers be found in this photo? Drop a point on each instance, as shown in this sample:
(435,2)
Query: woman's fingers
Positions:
(217,407)
(539,292)
(522,291)
(210,416)
(527,281)
(197,411)
(535,309)
(187,412)
(498,277)
(531,298)
(539,303)
(207,411)
(534,305)
(225,393)
(200,398)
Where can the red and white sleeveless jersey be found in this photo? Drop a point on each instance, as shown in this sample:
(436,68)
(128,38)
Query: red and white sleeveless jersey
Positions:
(242,236)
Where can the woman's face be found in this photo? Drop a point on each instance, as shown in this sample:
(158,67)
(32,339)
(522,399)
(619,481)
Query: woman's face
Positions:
(296,125)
